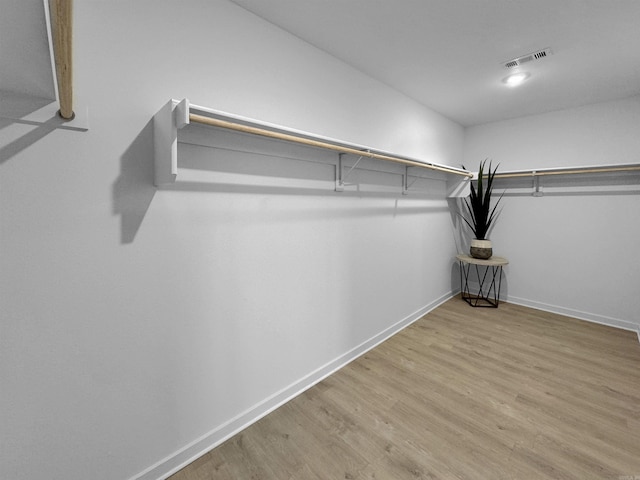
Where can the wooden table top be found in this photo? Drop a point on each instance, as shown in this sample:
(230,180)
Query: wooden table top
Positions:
(491,262)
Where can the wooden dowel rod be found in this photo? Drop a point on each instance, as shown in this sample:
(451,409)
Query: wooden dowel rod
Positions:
(214,122)
(575,171)
(62,32)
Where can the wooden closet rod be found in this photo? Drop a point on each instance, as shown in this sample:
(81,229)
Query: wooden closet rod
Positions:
(571,171)
(62,33)
(214,122)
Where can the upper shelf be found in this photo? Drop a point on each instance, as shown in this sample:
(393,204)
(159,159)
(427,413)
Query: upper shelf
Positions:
(177,114)
(612,178)
(586,170)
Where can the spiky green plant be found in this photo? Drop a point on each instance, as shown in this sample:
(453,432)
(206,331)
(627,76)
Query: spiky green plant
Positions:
(479,202)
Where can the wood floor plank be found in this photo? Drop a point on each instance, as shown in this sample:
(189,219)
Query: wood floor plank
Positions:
(463,393)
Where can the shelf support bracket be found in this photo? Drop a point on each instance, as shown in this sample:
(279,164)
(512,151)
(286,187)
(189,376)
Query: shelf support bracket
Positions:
(342,177)
(166,123)
(537,185)
(339,182)
(406,185)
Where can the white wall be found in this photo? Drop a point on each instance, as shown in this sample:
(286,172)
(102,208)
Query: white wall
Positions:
(141,325)
(573,254)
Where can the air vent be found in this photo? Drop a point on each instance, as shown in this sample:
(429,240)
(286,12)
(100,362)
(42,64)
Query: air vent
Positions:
(528,58)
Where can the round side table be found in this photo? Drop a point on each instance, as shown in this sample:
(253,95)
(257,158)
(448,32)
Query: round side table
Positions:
(489,283)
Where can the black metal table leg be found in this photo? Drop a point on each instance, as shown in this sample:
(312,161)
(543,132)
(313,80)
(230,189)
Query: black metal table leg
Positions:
(489,284)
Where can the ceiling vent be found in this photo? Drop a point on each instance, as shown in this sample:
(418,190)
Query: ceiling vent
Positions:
(528,58)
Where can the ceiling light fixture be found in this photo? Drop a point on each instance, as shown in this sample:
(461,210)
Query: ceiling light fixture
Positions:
(516,79)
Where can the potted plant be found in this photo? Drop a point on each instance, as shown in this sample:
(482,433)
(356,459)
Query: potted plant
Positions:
(480,213)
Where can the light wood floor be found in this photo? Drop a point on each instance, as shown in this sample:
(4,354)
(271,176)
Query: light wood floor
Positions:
(464,393)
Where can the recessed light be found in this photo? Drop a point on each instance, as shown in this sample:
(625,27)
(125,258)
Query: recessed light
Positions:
(516,79)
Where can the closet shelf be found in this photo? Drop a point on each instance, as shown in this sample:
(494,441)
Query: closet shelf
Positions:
(178,114)
(594,169)
(611,178)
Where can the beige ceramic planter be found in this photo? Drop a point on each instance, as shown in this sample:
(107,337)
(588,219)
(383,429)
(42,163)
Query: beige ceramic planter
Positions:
(481,249)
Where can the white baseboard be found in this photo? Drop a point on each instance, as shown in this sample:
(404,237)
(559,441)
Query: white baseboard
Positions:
(174,462)
(569,312)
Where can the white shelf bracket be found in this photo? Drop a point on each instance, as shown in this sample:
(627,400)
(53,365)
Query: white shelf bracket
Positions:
(342,177)
(166,123)
(537,186)
(339,182)
(406,185)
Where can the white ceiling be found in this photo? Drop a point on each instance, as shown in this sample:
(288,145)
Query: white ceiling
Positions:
(449,54)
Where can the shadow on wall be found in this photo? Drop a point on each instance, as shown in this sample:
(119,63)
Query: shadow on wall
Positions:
(133,191)
(455,277)
(459,229)
(14,111)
